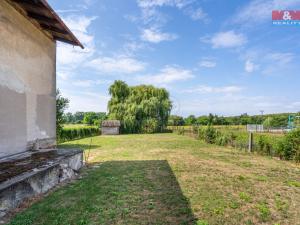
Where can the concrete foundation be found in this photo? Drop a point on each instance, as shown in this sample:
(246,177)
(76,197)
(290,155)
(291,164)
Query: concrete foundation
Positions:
(53,167)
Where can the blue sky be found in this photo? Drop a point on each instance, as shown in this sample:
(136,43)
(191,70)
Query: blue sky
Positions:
(213,57)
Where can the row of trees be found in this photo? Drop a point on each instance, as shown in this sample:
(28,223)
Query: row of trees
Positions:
(269,120)
(90,118)
(141,109)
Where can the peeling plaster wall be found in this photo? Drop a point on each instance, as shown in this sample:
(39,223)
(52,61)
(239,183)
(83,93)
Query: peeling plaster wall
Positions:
(27,84)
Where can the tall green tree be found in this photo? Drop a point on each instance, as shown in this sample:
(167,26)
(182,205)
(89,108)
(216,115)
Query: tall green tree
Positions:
(141,109)
(61,105)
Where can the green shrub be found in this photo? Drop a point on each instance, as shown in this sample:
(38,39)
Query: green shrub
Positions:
(222,139)
(208,134)
(263,145)
(68,134)
(289,147)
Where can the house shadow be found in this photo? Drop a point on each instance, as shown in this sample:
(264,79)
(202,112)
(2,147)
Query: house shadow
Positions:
(116,192)
(140,192)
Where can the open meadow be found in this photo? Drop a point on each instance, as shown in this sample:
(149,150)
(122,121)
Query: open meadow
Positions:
(171,179)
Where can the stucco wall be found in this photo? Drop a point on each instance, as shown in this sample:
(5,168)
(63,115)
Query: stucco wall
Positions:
(27,83)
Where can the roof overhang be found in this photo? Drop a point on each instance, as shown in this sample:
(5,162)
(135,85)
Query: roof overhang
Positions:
(40,13)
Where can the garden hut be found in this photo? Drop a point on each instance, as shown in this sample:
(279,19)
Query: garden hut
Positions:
(110,127)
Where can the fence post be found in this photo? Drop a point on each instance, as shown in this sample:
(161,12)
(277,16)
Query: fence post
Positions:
(250,145)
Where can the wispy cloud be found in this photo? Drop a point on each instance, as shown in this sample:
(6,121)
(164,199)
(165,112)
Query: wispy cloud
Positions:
(268,61)
(235,104)
(277,62)
(118,64)
(159,3)
(167,75)
(204,89)
(227,39)
(155,36)
(87,101)
(261,10)
(89,83)
(196,14)
(208,62)
(250,66)
(70,56)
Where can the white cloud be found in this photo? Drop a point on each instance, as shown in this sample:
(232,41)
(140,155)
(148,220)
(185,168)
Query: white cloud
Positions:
(228,39)
(261,10)
(270,62)
(168,75)
(282,58)
(235,104)
(155,36)
(118,64)
(197,14)
(89,83)
(250,66)
(159,3)
(277,62)
(69,56)
(151,13)
(208,63)
(204,89)
(63,75)
(86,101)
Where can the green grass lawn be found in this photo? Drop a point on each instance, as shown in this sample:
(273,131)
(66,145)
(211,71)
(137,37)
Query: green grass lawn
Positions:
(171,179)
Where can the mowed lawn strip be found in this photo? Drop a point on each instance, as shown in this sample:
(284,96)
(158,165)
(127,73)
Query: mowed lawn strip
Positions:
(171,179)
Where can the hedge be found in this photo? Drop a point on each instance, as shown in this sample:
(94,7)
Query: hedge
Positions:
(69,134)
(285,147)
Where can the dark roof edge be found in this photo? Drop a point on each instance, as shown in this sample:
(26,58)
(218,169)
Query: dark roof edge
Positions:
(76,41)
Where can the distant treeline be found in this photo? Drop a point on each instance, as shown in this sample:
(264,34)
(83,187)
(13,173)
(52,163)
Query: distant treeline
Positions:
(90,118)
(268,120)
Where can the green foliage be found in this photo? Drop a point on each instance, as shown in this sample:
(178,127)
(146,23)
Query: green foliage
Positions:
(264,146)
(269,120)
(264,211)
(286,147)
(90,118)
(68,134)
(208,134)
(175,120)
(61,105)
(141,109)
(190,120)
(93,118)
(289,147)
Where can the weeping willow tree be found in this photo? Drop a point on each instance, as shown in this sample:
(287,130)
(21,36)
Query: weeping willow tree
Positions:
(141,109)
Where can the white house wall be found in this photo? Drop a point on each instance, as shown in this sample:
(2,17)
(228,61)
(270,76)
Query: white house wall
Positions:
(27,84)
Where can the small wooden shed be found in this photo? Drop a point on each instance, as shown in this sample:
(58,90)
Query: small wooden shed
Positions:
(110,127)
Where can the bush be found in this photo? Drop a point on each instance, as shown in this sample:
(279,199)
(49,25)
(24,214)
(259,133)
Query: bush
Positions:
(263,145)
(208,134)
(69,134)
(289,147)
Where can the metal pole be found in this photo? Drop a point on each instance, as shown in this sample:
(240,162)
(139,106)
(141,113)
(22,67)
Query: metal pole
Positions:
(250,145)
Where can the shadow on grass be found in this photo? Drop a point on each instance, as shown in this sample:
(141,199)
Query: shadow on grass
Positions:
(115,192)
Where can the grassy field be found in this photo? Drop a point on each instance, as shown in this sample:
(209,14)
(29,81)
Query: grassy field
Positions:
(171,179)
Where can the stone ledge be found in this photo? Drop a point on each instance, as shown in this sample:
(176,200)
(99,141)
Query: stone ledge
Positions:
(63,166)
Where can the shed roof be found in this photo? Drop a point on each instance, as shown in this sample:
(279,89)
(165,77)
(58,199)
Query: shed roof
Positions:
(40,13)
(111,123)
